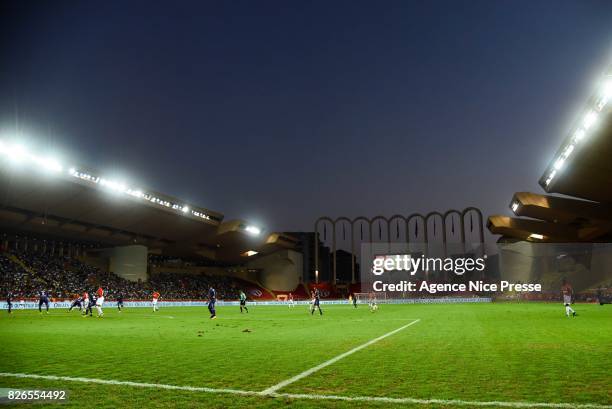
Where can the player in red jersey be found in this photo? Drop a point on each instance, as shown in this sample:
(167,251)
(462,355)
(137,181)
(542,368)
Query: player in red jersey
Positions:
(155,298)
(567,292)
(99,302)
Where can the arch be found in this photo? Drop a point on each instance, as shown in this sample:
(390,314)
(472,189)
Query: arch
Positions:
(476,210)
(374,219)
(403,219)
(369,222)
(334,248)
(422,218)
(316,243)
(432,215)
(461,224)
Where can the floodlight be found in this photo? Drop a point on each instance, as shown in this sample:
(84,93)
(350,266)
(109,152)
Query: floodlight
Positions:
(253,230)
(589,119)
(185,209)
(48,163)
(16,152)
(551,177)
(579,135)
(536,236)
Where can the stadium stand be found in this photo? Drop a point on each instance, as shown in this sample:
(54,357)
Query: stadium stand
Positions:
(26,273)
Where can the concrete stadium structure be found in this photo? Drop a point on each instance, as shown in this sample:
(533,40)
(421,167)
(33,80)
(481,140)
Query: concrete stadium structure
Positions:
(565,232)
(62,210)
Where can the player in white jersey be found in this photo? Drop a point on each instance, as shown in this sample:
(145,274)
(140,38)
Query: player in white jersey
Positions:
(86,302)
(290,301)
(372,302)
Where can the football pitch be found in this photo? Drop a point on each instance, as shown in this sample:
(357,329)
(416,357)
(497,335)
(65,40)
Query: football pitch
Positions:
(418,356)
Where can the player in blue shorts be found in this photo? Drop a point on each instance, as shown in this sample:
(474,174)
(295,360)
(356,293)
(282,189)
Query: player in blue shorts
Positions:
(316,300)
(212,299)
(119,302)
(9,301)
(43,298)
(78,302)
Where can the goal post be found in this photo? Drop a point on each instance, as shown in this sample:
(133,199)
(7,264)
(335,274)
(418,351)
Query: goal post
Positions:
(366,298)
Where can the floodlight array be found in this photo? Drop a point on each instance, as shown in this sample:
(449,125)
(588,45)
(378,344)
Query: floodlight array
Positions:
(19,154)
(255,231)
(584,128)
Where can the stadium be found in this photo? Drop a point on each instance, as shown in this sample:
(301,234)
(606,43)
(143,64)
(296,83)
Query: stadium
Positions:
(68,230)
(116,295)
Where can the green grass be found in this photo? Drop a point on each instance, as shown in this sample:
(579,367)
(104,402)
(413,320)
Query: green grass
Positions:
(476,352)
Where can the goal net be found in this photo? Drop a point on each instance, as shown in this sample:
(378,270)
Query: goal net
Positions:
(366,298)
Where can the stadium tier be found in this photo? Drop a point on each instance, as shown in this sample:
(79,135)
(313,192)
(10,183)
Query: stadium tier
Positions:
(24,274)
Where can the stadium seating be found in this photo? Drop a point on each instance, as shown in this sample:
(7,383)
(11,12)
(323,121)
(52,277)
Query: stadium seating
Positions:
(24,274)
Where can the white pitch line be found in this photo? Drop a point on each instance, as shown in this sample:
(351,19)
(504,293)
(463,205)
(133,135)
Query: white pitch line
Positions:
(335,359)
(125,383)
(451,402)
(414,401)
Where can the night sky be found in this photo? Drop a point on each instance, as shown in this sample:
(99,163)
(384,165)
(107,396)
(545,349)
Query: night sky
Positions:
(280,112)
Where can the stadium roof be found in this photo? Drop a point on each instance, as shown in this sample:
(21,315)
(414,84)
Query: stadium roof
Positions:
(582,168)
(38,195)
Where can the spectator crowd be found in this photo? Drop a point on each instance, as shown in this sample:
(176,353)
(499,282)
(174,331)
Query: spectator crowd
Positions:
(25,274)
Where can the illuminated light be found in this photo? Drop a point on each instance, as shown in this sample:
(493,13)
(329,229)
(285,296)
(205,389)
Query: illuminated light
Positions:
(16,152)
(253,230)
(200,214)
(551,176)
(250,253)
(568,151)
(515,206)
(579,135)
(536,236)
(589,119)
(48,163)
(112,185)
(559,163)
(135,193)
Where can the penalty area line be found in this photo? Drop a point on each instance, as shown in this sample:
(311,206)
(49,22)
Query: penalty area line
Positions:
(379,399)
(335,359)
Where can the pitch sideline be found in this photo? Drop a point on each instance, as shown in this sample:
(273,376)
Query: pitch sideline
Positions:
(379,399)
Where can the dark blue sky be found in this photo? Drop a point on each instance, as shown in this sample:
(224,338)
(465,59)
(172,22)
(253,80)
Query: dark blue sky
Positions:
(279,112)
